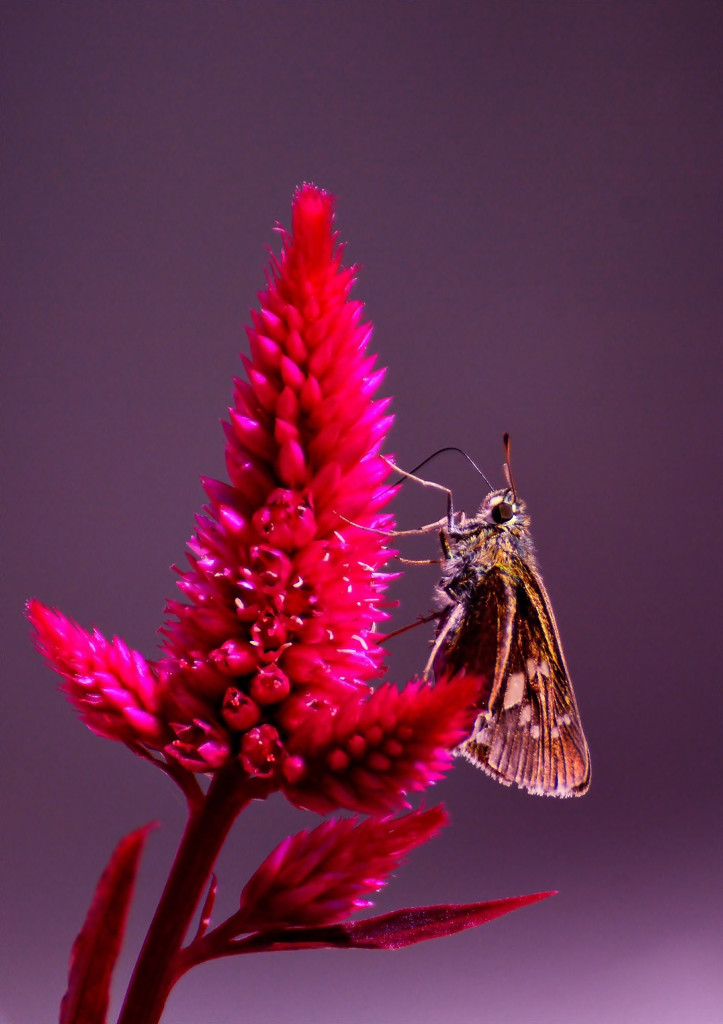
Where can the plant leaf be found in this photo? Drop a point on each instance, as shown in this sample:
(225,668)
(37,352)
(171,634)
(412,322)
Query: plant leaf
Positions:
(96,948)
(415,924)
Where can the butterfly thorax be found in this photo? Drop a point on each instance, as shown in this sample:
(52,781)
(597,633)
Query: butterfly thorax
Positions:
(498,535)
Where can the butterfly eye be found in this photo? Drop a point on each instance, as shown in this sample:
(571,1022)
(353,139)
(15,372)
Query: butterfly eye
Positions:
(502,512)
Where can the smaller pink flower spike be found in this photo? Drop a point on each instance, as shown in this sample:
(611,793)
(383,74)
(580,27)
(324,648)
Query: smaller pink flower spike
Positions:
(111,686)
(375,749)
(320,876)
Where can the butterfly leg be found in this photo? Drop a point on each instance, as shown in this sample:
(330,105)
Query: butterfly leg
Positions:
(412,625)
(441,524)
(455,617)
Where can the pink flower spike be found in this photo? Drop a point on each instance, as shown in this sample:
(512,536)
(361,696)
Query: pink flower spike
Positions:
(373,750)
(321,876)
(269,675)
(113,688)
(284,594)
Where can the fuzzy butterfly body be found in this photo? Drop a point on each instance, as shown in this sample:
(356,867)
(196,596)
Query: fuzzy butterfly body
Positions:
(497,623)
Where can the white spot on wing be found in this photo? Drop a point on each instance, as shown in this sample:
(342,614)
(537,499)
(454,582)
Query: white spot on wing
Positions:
(525,714)
(515,689)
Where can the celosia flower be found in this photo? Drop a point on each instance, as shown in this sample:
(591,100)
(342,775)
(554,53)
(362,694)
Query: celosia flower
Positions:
(373,749)
(269,663)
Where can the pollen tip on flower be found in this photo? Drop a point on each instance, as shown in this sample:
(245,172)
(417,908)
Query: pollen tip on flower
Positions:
(260,751)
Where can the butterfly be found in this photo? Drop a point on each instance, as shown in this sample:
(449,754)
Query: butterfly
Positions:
(496,622)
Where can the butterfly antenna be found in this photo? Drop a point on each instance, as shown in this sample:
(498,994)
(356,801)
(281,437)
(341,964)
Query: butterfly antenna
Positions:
(461,451)
(508,465)
(411,474)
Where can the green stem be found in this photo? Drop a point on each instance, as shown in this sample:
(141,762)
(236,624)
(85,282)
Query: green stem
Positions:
(205,832)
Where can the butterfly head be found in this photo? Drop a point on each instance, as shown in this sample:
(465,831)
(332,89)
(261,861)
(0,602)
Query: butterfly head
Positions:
(504,510)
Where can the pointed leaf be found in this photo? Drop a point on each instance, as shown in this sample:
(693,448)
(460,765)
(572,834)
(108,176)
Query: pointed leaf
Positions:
(388,931)
(415,924)
(96,948)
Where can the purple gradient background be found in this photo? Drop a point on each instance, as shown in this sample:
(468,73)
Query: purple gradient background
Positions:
(533,191)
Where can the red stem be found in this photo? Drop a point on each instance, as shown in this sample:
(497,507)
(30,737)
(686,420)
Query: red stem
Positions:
(207,827)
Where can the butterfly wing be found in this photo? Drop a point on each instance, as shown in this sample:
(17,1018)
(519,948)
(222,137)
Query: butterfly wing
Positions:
(528,730)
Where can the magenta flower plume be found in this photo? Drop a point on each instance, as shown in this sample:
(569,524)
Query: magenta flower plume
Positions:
(268,664)
(303,894)
(284,591)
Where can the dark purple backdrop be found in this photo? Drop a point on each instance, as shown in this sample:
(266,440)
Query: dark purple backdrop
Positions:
(533,193)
